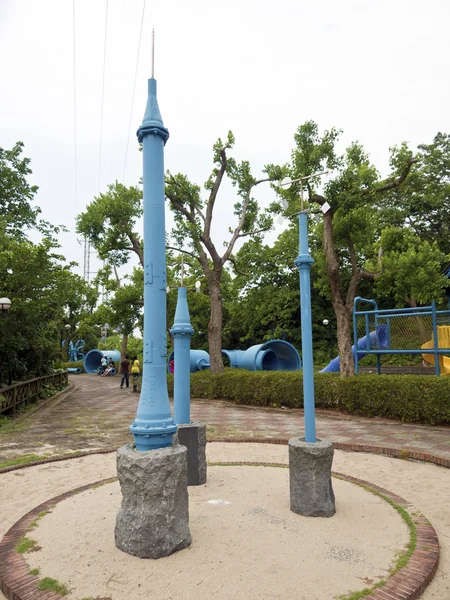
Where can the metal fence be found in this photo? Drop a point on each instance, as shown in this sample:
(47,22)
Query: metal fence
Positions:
(22,394)
(423,331)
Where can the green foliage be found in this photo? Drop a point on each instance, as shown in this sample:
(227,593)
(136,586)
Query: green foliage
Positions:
(16,193)
(47,583)
(76,364)
(25,545)
(22,460)
(409,398)
(411,268)
(113,342)
(109,222)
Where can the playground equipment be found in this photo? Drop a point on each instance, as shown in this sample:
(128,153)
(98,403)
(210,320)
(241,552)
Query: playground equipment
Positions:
(276,355)
(443,335)
(378,339)
(75,370)
(408,331)
(199,361)
(93,359)
(75,350)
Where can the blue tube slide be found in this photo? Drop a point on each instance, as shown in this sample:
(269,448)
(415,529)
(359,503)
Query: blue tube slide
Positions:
(276,355)
(379,339)
(93,359)
(75,370)
(199,361)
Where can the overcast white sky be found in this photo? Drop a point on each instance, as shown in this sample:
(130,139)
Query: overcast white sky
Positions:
(378,69)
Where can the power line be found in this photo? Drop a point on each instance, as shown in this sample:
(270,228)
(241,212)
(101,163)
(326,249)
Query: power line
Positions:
(103,97)
(74,107)
(134,89)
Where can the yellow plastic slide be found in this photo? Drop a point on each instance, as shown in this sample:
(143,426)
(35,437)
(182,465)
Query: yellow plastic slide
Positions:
(443,342)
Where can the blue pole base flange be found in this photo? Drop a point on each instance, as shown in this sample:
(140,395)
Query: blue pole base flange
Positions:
(147,437)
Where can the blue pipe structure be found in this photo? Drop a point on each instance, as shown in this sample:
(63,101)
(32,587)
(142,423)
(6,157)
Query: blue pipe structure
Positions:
(93,359)
(377,339)
(198,361)
(303,263)
(154,426)
(182,332)
(275,355)
(75,370)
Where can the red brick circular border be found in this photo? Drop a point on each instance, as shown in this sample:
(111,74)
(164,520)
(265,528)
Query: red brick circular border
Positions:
(383,450)
(17,583)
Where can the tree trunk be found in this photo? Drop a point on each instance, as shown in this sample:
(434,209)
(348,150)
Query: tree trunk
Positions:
(123,350)
(343,315)
(344,339)
(215,326)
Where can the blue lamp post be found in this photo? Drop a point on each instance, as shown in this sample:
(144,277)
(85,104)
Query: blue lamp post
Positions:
(310,458)
(154,426)
(303,263)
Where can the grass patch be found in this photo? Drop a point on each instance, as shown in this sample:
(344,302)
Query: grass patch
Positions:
(47,583)
(403,556)
(22,460)
(34,572)
(26,545)
(35,523)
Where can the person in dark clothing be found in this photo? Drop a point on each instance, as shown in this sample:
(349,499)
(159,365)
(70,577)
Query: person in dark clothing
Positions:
(125,370)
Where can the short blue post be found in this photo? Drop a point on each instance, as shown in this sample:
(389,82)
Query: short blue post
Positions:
(182,332)
(303,263)
(154,426)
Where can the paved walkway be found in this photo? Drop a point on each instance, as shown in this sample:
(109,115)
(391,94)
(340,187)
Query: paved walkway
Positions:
(97,414)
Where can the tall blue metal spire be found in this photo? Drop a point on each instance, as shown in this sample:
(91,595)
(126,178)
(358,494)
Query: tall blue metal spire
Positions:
(154,426)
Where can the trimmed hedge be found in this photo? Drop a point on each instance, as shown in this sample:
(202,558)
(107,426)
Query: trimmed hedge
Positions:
(409,398)
(77,364)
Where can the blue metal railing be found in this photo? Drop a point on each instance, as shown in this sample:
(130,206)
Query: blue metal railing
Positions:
(372,345)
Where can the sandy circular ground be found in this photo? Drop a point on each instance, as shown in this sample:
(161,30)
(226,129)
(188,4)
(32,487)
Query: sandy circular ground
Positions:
(246,543)
(426,486)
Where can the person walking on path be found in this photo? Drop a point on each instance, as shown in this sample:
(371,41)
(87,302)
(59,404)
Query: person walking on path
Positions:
(125,370)
(136,372)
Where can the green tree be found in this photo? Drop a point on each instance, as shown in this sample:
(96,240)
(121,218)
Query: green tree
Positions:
(16,193)
(410,269)
(109,222)
(351,224)
(422,203)
(193,217)
(40,286)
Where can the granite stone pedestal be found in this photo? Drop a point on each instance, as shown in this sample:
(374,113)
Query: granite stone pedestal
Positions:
(153,520)
(311,489)
(193,437)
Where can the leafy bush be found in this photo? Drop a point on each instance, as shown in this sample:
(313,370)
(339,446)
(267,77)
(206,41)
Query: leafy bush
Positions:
(76,364)
(409,398)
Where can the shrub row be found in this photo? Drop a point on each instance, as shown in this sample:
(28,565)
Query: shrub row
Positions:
(78,364)
(409,398)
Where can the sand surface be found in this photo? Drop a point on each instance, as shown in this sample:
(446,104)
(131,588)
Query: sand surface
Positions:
(426,486)
(246,543)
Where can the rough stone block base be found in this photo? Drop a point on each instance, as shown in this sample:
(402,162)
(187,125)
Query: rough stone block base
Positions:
(153,520)
(311,489)
(193,436)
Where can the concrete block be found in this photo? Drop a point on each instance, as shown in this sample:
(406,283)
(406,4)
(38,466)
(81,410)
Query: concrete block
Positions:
(311,490)
(193,437)
(153,520)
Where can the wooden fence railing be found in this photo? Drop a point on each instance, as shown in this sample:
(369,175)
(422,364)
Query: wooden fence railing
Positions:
(23,393)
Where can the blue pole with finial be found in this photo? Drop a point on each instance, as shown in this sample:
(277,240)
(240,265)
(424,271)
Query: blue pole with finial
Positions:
(182,331)
(154,426)
(304,261)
